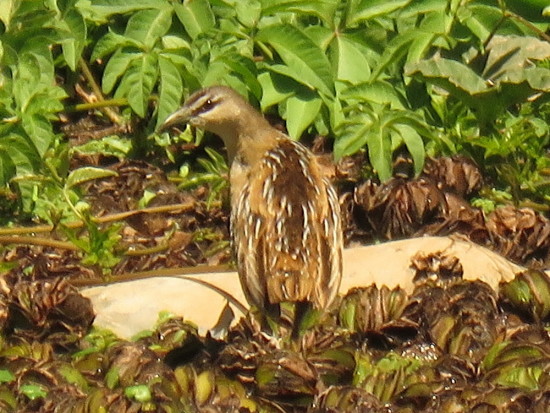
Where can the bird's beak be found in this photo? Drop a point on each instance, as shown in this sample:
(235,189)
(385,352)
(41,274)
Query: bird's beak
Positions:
(179,117)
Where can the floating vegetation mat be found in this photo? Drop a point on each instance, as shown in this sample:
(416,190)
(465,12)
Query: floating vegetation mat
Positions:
(450,346)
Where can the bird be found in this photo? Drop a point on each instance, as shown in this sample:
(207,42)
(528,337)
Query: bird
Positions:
(285,220)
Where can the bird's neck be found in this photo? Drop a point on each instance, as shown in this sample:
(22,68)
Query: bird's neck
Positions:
(250,138)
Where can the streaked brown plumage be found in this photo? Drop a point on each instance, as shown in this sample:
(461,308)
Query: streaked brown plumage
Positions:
(285,218)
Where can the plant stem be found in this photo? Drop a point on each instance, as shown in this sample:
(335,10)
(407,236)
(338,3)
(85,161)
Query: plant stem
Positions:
(100,220)
(30,240)
(97,105)
(110,113)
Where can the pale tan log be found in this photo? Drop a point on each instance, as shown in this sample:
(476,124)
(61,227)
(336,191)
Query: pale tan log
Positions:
(133,306)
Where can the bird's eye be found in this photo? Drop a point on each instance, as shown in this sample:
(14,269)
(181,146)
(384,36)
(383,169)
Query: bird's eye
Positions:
(206,106)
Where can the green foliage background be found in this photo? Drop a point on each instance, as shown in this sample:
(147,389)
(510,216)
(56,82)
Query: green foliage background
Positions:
(433,77)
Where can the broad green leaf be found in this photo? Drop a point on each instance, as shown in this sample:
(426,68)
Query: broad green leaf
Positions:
(175,42)
(394,52)
(85,174)
(379,150)
(7,167)
(110,43)
(513,53)
(456,73)
(39,130)
(170,91)
(217,72)
(301,110)
(336,113)
(420,45)
(275,88)
(22,153)
(538,78)
(7,10)
(100,10)
(349,61)
(248,12)
(321,36)
(421,8)
(109,146)
(40,55)
(138,83)
(368,9)
(438,23)
(116,67)
(414,144)
(74,43)
(148,26)
(353,137)
(480,19)
(196,16)
(246,68)
(323,9)
(305,59)
(379,92)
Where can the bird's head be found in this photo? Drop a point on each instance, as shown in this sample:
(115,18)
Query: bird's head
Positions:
(224,112)
(217,109)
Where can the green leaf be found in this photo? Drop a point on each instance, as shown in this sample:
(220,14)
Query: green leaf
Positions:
(171,89)
(112,377)
(100,10)
(248,12)
(140,393)
(85,174)
(353,137)
(323,9)
(480,19)
(116,67)
(301,111)
(110,43)
(6,376)
(75,37)
(73,376)
(275,88)
(21,152)
(455,73)
(148,26)
(369,9)
(349,61)
(33,391)
(7,167)
(175,42)
(306,61)
(246,68)
(7,11)
(196,16)
(415,145)
(379,146)
(39,130)
(394,52)
(109,146)
(138,83)
(513,54)
(380,92)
